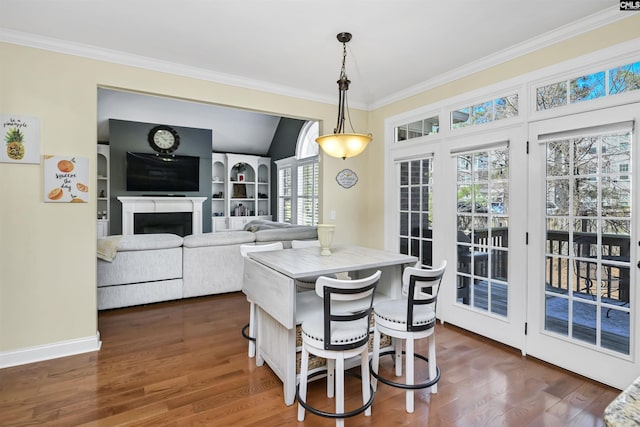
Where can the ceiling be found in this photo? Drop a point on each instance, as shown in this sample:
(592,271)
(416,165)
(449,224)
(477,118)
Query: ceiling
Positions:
(289,46)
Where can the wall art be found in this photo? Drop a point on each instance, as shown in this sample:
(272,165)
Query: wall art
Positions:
(347,178)
(66,179)
(21,136)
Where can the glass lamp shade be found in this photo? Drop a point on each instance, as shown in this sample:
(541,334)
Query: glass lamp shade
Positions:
(343,145)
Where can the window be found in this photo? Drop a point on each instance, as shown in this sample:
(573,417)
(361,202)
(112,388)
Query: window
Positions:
(298,180)
(588,229)
(284,194)
(485,112)
(482,194)
(416,209)
(616,80)
(429,126)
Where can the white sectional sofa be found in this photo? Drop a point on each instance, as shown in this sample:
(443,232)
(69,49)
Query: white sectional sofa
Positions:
(212,262)
(147,268)
(150,268)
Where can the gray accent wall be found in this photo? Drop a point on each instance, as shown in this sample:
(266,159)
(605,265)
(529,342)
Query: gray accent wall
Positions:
(283,146)
(133,136)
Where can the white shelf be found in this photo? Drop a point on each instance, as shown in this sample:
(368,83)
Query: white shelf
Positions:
(103,187)
(225,182)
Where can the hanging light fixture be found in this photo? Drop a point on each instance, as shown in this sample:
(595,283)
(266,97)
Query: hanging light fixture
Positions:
(341,144)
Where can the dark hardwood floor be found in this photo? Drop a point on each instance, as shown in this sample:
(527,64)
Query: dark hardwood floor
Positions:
(185,363)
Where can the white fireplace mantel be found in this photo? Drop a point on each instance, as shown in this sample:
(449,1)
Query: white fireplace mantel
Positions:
(149,204)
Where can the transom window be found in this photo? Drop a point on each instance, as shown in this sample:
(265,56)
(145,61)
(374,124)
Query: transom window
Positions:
(485,112)
(429,126)
(616,80)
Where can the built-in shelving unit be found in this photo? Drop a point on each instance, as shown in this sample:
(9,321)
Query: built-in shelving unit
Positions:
(102,190)
(240,190)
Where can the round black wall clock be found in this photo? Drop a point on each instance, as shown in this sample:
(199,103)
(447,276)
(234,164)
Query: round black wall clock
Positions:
(164,139)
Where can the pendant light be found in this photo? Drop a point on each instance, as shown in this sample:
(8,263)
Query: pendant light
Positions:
(340,144)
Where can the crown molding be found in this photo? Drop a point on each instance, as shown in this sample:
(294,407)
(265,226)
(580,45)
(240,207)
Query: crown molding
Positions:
(566,32)
(138,61)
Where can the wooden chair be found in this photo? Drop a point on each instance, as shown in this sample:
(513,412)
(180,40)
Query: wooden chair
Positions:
(342,332)
(408,320)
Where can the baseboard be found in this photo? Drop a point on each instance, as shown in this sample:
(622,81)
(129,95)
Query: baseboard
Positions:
(49,351)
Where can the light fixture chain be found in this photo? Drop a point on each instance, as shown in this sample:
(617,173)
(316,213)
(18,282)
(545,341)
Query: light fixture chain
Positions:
(343,71)
(343,86)
(343,101)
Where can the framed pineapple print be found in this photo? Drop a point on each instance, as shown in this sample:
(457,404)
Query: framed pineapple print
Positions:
(66,179)
(20,139)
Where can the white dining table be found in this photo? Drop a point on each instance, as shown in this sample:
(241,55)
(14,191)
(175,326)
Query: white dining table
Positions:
(269,282)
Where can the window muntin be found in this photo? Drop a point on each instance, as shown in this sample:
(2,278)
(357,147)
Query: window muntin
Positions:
(307,145)
(613,81)
(485,112)
(284,194)
(298,200)
(307,194)
(624,79)
(428,126)
(587,87)
(588,230)
(483,230)
(416,209)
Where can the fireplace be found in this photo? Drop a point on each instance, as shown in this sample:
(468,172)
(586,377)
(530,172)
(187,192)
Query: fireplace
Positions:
(166,222)
(189,206)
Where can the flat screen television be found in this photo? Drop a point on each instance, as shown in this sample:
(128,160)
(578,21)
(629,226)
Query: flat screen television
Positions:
(162,172)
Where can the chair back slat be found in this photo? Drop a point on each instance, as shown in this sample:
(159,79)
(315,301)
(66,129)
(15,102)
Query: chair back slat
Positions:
(346,304)
(423,286)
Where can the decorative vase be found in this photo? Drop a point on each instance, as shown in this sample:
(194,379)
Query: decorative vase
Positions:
(325,236)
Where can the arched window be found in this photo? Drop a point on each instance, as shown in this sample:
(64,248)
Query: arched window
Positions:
(298,180)
(307,145)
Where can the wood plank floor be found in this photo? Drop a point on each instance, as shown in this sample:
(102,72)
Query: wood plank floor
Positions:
(185,363)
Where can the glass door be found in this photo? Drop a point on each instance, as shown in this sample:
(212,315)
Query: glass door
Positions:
(485,223)
(482,231)
(582,260)
(416,209)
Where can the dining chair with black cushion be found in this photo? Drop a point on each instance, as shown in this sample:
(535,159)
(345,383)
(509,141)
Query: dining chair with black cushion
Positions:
(406,320)
(339,333)
(250,329)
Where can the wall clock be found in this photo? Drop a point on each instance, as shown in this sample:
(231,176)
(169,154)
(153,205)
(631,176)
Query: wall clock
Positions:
(164,139)
(347,178)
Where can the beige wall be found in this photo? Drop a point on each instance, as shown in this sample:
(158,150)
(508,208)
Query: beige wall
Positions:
(621,31)
(47,252)
(47,258)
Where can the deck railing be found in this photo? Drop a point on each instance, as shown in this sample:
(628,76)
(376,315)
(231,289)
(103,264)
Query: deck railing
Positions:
(582,277)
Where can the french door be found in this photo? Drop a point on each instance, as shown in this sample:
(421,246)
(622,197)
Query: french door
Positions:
(583,224)
(484,218)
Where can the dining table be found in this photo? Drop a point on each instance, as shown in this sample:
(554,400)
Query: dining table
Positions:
(269,281)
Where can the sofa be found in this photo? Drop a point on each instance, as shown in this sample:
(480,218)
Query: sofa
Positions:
(149,268)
